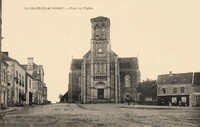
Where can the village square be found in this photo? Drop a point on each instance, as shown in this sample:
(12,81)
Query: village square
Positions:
(102,115)
(102,88)
(113,95)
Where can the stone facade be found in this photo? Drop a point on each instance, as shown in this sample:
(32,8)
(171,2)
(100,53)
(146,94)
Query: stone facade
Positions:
(29,89)
(0,44)
(4,91)
(101,76)
(16,79)
(39,87)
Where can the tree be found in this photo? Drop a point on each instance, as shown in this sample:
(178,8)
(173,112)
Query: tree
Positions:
(64,98)
(60,96)
(147,88)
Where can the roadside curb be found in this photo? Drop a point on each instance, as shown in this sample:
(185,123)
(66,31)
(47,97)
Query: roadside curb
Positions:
(156,107)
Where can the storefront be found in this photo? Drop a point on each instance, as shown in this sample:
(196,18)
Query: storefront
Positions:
(178,100)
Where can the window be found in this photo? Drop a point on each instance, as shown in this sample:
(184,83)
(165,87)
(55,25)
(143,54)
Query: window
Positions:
(4,75)
(79,81)
(96,27)
(16,74)
(183,99)
(174,99)
(127,81)
(182,89)
(98,68)
(164,90)
(16,77)
(102,68)
(29,83)
(19,78)
(174,89)
(22,80)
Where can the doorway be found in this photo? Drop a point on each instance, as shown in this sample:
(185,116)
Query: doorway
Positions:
(100,93)
(30,98)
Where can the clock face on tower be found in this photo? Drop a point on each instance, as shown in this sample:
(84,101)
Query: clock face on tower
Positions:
(100,50)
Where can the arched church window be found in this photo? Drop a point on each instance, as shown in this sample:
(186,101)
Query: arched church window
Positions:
(127,81)
(102,67)
(79,81)
(103,28)
(96,26)
(98,68)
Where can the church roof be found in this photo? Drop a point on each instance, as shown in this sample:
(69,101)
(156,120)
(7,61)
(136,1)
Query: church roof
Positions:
(99,19)
(112,52)
(87,54)
(76,64)
(128,63)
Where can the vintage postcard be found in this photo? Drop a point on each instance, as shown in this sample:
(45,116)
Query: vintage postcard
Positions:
(100,63)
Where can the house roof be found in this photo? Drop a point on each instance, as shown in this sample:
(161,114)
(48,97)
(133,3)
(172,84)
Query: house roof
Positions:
(4,62)
(128,63)
(35,66)
(177,78)
(5,57)
(30,75)
(35,73)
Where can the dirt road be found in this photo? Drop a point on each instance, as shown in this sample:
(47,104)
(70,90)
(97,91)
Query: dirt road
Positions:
(102,115)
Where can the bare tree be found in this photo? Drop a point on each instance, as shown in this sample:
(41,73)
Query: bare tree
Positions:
(60,96)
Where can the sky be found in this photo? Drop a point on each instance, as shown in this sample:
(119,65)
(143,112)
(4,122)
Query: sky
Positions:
(164,34)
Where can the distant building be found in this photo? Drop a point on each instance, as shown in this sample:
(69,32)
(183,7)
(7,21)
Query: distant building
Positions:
(16,80)
(4,92)
(39,89)
(101,76)
(0,44)
(29,89)
(44,93)
(179,89)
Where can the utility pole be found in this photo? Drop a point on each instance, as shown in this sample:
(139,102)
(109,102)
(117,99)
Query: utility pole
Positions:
(0,48)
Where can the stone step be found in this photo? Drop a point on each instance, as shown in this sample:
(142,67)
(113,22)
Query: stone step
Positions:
(96,101)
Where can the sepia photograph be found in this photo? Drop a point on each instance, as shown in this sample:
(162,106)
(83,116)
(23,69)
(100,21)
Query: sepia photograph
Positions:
(100,63)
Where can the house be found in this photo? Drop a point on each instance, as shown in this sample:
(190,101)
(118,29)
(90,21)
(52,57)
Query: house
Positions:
(4,91)
(179,89)
(39,89)
(29,88)
(16,80)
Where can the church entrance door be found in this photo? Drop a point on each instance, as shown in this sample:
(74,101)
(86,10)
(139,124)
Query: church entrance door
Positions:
(100,93)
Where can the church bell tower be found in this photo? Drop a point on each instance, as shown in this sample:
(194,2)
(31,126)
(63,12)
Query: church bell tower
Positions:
(100,58)
(100,41)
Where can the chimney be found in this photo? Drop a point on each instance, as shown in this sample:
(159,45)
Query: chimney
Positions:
(30,63)
(170,73)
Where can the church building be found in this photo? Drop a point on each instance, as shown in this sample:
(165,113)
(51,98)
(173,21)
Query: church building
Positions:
(101,76)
